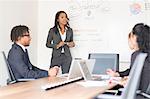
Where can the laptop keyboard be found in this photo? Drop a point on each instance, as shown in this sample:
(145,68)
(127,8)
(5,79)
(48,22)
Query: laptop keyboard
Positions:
(58,84)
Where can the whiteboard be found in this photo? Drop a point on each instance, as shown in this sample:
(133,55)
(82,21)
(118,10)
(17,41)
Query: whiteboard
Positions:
(100,26)
(103,25)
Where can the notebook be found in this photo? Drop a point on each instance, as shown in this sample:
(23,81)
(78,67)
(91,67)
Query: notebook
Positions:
(85,71)
(73,76)
(74,71)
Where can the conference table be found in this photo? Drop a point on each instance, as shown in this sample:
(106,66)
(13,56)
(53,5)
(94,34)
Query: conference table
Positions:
(32,90)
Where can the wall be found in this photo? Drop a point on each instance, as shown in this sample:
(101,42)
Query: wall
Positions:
(46,16)
(100,26)
(16,12)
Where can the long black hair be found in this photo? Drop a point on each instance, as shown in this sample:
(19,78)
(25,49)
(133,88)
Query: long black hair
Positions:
(142,31)
(57,16)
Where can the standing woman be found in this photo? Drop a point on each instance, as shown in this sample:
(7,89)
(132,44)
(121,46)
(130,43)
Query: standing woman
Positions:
(60,39)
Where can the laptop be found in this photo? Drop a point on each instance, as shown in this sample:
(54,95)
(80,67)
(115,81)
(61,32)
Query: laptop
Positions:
(73,76)
(74,72)
(85,71)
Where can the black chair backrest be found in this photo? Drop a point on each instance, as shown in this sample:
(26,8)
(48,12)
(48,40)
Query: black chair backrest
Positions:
(12,78)
(148,89)
(104,61)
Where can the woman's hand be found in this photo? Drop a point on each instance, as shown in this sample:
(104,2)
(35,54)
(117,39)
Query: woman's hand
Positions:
(123,81)
(120,81)
(70,44)
(112,73)
(62,43)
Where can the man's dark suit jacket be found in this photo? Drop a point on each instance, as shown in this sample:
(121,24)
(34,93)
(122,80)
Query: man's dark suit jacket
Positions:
(21,66)
(145,76)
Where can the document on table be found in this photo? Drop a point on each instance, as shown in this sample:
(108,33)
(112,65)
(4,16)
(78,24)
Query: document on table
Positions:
(93,83)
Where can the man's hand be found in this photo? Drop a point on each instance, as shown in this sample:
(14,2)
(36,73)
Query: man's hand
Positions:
(53,71)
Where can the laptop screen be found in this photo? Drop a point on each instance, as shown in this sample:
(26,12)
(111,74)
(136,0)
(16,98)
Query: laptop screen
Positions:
(74,71)
(84,68)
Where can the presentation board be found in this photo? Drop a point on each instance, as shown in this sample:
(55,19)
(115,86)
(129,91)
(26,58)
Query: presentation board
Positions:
(103,26)
(100,26)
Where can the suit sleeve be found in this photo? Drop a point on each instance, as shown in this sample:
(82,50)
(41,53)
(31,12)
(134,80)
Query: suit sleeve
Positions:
(16,59)
(49,43)
(124,73)
(71,39)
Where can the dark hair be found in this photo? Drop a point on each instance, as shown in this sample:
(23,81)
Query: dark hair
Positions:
(57,16)
(142,31)
(18,31)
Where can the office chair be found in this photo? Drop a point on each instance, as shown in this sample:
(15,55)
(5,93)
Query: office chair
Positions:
(148,89)
(4,73)
(129,91)
(145,94)
(12,78)
(104,61)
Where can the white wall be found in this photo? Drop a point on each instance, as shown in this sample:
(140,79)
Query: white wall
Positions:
(99,26)
(86,17)
(16,12)
(46,17)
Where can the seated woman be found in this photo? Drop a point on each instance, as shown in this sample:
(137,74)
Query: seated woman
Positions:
(139,41)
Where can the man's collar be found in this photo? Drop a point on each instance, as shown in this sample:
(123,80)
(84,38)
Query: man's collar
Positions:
(23,47)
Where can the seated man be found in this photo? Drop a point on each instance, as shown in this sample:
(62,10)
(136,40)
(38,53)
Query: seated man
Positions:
(18,58)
